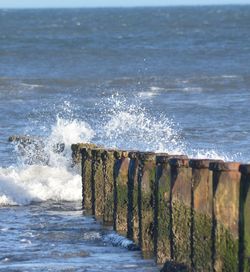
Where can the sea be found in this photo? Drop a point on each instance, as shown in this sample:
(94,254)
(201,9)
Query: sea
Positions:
(167,79)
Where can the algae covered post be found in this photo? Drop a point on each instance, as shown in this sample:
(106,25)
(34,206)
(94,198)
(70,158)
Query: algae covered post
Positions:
(226,200)
(108,180)
(97,184)
(86,179)
(162,244)
(121,191)
(201,224)
(133,221)
(146,180)
(181,175)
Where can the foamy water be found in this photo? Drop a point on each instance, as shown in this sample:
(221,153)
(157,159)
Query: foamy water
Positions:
(20,186)
(43,174)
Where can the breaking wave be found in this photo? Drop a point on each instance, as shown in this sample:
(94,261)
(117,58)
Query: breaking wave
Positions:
(44,168)
(42,173)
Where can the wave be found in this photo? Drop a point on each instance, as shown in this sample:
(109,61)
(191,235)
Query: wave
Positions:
(21,186)
(42,174)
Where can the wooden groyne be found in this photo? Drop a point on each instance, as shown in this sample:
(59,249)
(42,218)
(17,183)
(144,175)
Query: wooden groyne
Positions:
(187,214)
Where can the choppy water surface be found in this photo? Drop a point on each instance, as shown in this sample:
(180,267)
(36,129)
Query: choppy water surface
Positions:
(56,237)
(159,79)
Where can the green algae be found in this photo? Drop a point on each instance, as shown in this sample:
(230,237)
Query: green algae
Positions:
(202,242)
(146,214)
(108,165)
(226,250)
(181,216)
(162,239)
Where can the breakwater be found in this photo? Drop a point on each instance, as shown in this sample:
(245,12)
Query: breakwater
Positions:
(187,214)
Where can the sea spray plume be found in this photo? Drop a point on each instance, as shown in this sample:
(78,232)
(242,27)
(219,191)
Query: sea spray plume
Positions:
(67,132)
(60,130)
(54,149)
(24,183)
(128,125)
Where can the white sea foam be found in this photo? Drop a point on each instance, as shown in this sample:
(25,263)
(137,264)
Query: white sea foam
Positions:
(20,186)
(56,180)
(120,241)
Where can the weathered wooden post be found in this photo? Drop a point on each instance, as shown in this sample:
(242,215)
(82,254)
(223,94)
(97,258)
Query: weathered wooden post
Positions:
(180,209)
(77,150)
(86,179)
(97,184)
(121,191)
(133,221)
(163,235)
(202,210)
(146,180)
(226,196)
(244,226)
(162,226)
(108,179)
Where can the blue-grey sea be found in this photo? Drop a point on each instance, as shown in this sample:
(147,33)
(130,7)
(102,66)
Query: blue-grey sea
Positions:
(173,79)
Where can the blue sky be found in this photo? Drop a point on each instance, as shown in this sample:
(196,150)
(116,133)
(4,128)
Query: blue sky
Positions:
(103,3)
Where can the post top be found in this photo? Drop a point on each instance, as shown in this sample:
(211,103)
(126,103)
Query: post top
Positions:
(224,166)
(107,154)
(245,169)
(179,162)
(163,158)
(119,154)
(201,163)
(86,153)
(96,153)
(147,156)
(133,154)
(162,154)
(79,146)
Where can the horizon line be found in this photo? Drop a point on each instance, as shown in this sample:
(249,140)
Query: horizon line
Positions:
(139,6)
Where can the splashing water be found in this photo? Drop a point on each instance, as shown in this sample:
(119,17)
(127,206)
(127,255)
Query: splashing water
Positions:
(126,124)
(130,126)
(43,174)
(38,183)
(66,132)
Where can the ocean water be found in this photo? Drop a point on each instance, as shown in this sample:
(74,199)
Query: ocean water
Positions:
(158,79)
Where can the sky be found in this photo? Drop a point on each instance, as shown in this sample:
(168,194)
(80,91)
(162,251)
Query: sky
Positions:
(108,3)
